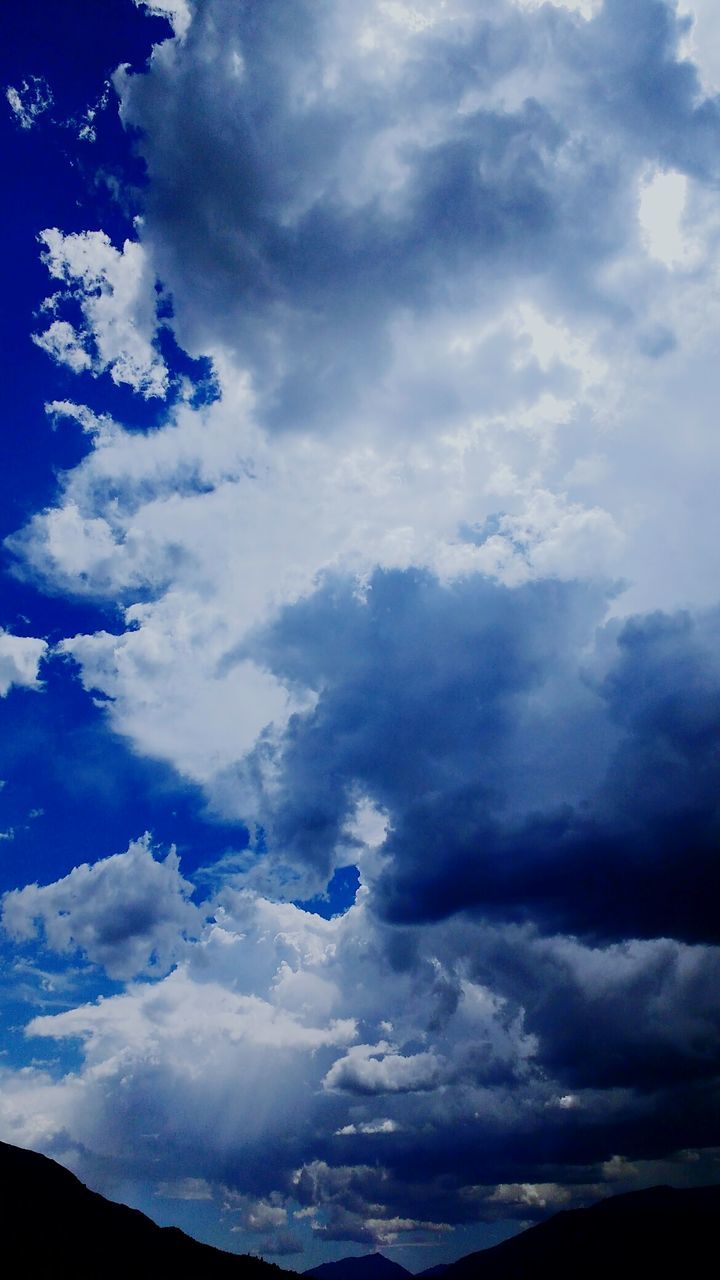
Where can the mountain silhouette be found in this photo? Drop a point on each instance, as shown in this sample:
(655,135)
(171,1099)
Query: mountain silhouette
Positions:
(371,1266)
(659,1234)
(53,1225)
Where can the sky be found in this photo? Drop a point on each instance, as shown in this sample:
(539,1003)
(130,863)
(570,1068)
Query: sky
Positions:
(359,618)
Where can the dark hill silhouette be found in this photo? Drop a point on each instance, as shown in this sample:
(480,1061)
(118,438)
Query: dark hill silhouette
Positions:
(371,1266)
(54,1225)
(659,1234)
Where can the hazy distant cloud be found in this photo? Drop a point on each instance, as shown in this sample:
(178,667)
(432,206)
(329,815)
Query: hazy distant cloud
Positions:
(185,1189)
(128,913)
(20,658)
(30,101)
(85,123)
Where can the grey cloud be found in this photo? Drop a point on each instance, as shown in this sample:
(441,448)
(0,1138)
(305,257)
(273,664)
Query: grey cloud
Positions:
(633,1015)
(519,783)
(241,1044)
(295,205)
(128,913)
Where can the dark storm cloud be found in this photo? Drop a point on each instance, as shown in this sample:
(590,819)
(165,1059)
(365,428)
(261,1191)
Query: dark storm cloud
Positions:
(518,785)
(433,1168)
(639,1016)
(295,206)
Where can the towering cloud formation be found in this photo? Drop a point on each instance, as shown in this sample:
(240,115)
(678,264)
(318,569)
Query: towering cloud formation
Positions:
(429,589)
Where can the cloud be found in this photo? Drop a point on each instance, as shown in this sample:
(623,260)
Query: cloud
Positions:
(368,1127)
(30,101)
(20,658)
(432,392)
(539,1195)
(178,12)
(573,797)
(369,1069)
(118,303)
(128,913)
(186,1189)
(259,1217)
(268,1038)
(574,996)
(394,174)
(365,604)
(700,40)
(63,343)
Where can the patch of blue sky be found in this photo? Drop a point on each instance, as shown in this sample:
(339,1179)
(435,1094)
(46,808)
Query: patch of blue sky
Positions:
(339,896)
(88,790)
(35,982)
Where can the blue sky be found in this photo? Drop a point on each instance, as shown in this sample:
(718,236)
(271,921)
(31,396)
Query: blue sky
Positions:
(359,670)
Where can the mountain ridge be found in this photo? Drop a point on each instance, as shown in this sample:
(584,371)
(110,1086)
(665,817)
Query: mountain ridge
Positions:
(57,1224)
(661,1232)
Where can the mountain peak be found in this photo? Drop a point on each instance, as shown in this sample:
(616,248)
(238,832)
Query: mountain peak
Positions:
(369,1266)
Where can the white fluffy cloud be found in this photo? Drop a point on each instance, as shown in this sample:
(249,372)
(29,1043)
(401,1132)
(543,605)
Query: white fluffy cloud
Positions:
(116,292)
(369,1069)
(128,913)
(20,658)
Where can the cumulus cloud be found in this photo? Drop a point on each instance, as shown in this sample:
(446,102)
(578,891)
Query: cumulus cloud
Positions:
(128,912)
(115,289)
(392,173)
(370,1069)
(20,658)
